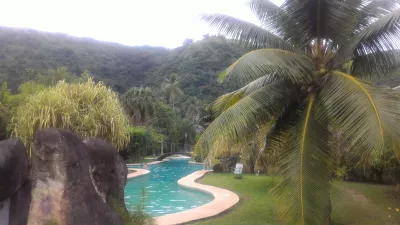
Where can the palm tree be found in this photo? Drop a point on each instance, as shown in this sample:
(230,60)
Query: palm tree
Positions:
(308,73)
(172,90)
(139,104)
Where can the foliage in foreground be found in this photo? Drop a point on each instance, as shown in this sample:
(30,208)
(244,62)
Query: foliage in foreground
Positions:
(87,109)
(307,76)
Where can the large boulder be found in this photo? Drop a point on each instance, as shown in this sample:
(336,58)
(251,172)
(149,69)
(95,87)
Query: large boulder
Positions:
(62,189)
(19,205)
(15,188)
(108,171)
(14,167)
(102,165)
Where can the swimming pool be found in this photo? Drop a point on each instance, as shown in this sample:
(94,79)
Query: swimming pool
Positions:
(163,195)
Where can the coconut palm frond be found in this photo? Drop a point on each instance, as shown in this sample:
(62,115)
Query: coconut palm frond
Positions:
(367,115)
(303,179)
(378,38)
(242,119)
(227,100)
(247,33)
(279,63)
(379,64)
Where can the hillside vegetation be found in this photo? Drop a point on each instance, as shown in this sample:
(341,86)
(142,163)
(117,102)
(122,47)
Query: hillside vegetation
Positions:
(24,52)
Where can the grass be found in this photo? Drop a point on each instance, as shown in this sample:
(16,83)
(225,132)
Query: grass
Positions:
(352,203)
(255,206)
(366,204)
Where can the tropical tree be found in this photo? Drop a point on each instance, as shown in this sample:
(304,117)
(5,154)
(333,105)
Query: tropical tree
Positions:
(50,77)
(87,109)
(143,141)
(307,74)
(172,91)
(139,104)
(193,111)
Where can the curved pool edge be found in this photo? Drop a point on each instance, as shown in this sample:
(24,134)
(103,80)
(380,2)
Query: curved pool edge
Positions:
(157,162)
(137,173)
(150,163)
(197,163)
(223,200)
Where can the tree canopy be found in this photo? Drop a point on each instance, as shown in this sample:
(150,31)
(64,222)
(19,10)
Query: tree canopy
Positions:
(139,104)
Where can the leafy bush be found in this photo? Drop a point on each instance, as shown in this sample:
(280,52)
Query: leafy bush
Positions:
(143,141)
(87,109)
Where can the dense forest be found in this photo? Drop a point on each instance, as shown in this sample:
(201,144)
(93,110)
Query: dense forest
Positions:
(166,93)
(24,52)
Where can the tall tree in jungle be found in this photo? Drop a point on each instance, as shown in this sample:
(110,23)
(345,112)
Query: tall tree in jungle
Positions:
(139,104)
(172,91)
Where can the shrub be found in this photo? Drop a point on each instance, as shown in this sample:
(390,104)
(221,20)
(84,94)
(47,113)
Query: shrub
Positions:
(143,141)
(87,109)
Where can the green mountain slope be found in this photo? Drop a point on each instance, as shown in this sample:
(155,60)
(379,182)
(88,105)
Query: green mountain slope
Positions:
(196,64)
(115,64)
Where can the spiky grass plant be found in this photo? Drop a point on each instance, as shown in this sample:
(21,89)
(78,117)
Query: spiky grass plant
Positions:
(87,109)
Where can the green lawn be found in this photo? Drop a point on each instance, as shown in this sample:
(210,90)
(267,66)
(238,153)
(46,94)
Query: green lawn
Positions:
(255,206)
(364,204)
(353,203)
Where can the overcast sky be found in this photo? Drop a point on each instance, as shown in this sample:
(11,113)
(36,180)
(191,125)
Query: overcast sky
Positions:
(132,22)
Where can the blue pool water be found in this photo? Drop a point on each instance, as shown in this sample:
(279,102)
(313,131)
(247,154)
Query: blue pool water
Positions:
(163,195)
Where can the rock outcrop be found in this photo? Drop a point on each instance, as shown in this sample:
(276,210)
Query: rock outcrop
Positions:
(108,171)
(15,189)
(13,167)
(62,188)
